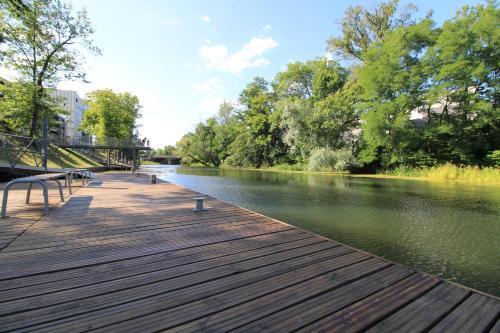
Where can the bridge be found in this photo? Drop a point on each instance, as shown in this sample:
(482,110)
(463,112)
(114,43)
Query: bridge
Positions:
(166,159)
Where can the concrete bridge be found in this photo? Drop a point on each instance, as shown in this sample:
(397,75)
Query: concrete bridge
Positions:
(166,159)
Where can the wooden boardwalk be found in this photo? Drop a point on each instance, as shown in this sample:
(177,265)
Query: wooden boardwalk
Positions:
(125,256)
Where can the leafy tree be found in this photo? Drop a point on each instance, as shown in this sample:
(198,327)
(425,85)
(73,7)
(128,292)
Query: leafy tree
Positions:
(40,38)
(313,107)
(262,139)
(393,80)
(110,115)
(464,66)
(168,150)
(361,27)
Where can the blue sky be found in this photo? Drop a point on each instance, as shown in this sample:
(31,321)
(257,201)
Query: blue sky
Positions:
(182,58)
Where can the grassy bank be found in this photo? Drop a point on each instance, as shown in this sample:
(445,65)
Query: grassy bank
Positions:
(69,159)
(447,172)
(150,163)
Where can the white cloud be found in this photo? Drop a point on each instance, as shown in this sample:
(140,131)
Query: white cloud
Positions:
(170,21)
(267,28)
(250,55)
(206,18)
(211,88)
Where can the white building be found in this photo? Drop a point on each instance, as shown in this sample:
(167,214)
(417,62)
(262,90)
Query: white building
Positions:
(74,106)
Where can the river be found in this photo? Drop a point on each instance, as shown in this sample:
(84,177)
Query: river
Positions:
(448,229)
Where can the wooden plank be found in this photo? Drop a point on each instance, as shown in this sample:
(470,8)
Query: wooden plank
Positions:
(236,274)
(424,312)
(190,254)
(366,312)
(228,314)
(141,276)
(31,266)
(476,314)
(496,327)
(257,282)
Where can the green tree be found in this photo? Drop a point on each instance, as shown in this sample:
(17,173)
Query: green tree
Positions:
(40,38)
(393,80)
(464,67)
(362,27)
(316,110)
(261,142)
(110,115)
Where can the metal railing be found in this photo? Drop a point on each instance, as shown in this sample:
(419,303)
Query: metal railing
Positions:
(14,147)
(86,140)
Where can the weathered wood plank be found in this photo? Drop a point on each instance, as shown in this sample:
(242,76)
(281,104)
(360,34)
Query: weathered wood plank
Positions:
(476,314)
(424,312)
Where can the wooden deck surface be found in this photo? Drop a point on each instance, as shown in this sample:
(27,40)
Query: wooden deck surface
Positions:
(125,256)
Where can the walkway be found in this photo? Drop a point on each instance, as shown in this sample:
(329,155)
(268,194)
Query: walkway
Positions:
(125,256)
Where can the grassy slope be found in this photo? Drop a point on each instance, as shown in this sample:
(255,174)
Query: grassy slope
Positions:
(69,158)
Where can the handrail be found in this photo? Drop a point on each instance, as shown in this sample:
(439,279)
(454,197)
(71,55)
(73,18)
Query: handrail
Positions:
(16,146)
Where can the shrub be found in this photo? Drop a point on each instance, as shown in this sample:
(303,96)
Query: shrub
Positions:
(325,159)
(494,158)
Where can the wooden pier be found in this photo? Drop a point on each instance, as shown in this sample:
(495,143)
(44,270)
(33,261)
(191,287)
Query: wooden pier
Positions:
(122,255)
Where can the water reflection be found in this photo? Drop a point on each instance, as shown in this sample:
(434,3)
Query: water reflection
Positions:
(448,229)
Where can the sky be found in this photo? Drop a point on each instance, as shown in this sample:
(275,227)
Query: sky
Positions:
(182,58)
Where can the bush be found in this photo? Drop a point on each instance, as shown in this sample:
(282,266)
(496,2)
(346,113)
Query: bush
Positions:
(449,171)
(494,158)
(325,159)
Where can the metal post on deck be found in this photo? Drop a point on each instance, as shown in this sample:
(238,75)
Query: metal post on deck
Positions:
(134,159)
(45,141)
(109,158)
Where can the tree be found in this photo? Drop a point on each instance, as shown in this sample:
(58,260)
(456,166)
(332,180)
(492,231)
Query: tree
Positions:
(362,27)
(393,80)
(465,81)
(261,141)
(168,150)
(313,106)
(110,115)
(16,104)
(41,46)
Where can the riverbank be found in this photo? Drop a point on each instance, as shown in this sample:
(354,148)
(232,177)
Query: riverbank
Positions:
(443,173)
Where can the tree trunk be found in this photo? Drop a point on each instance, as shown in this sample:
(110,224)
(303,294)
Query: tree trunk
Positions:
(36,110)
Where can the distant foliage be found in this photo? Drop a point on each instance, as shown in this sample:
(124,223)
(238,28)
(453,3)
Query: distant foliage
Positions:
(494,158)
(416,96)
(326,159)
(110,115)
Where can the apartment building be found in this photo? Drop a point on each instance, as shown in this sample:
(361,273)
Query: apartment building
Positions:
(74,106)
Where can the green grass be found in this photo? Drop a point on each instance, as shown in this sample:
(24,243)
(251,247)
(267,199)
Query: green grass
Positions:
(150,163)
(69,159)
(446,172)
(449,172)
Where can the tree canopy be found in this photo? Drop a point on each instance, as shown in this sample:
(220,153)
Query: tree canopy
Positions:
(418,95)
(110,115)
(41,38)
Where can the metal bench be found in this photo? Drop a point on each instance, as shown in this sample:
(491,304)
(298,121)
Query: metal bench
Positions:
(40,180)
(84,174)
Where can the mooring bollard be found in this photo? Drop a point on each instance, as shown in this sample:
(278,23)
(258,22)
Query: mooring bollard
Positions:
(199,204)
(153,179)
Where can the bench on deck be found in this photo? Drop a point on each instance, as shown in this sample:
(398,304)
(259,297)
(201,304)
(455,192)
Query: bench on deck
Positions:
(42,180)
(84,174)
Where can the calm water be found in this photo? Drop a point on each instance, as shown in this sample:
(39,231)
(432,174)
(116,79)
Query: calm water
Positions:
(451,230)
